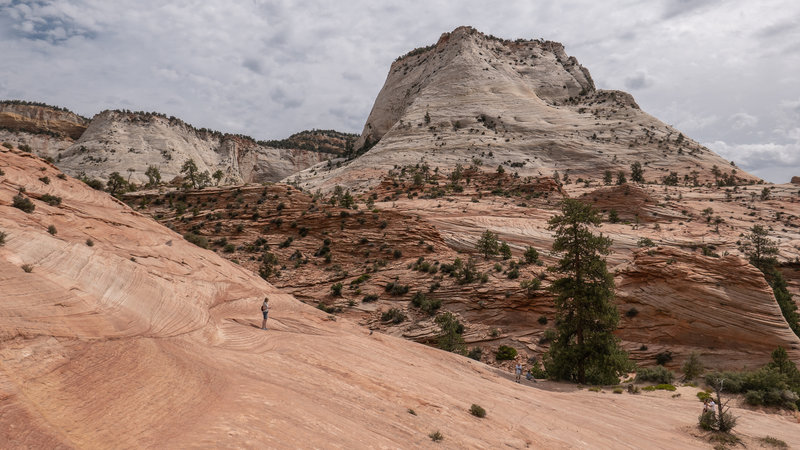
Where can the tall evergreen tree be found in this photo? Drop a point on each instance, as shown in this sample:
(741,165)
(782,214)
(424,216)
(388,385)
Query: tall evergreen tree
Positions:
(637,174)
(488,244)
(584,348)
(190,170)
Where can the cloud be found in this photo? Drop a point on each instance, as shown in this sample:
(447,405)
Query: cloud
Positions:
(762,158)
(638,81)
(744,120)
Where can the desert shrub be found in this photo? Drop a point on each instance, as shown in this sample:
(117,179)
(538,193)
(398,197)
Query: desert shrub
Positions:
(663,357)
(475,353)
(617,390)
(773,442)
(3,236)
(660,387)
(228,248)
(370,298)
(52,200)
(8,145)
(328,309)
(506,353)
(477,411)
(658,374)
(427,304)
(707,420)
(394,316)
(436,436)
(542,320)
(90,242)
(395,288)
(27,268)
(45,180)
(23,203)
(631,313)
(646,242)
(633,389)
(766,386)
(196,239)
(513,273)
(52,230)
(450,338)
(693,367)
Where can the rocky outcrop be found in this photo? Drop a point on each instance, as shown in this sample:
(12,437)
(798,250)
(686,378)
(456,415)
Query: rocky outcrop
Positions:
(721,308)
(526,103)
(795,180)
(117,141)
(39,118)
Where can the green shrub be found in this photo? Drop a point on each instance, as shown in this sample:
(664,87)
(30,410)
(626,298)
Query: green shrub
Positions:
(633,389)
(370,298)
(703,396)
(336,289)
(531,255)
(436,436)
(660,387)
(631,313)
(426,304)
(196,239)
(52,230)
(506,353)
(228,248)
(23,203)
(3,236)
(646,242)
(395,288)
(663,357)
(394,316)
(477,411)
(618,390)
(542,320)
(658,374)
(475,353)
(90,242)
(773,442)
(693,367)
(51,200)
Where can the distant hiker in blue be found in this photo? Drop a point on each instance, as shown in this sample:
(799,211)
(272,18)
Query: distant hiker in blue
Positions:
(265,312)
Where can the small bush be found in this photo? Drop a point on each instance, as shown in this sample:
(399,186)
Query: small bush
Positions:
(663,357)
(618,390)
(195,239)
(395,288)
(660,387)
(90,242)
(693,367)
(23,203)
(506,353)
(52,230)
(336,289)
(773,442)
(658,374)
(631,313)
(45,180)
(646,242)
(394,316)
(477,411)
(542,320)
(27,268)
(412,412)
(3,236)
(703,396)
(228,248)
(426,304)
(633,389)
(369,298)
(475,353)
(52,200)
(436,436)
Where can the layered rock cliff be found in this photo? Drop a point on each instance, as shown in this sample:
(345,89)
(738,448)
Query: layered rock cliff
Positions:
(45,130)
(526,103)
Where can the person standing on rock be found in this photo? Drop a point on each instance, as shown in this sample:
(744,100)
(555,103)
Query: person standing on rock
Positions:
(518,371)
(265,312)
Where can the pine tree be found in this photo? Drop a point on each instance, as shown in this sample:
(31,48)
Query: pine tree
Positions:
(190,170)
(450,339)
(488,244)
(637,174)
(584,348)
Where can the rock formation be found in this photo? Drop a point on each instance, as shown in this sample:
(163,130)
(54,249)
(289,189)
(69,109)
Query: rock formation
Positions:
(522,104)
(46,130)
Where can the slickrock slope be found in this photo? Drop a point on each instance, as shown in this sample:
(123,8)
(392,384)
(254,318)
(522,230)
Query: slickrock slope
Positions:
(144,340)
(520,102)
(47,130)
(117,141)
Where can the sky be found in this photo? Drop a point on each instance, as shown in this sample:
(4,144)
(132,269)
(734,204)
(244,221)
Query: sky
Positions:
(724,72)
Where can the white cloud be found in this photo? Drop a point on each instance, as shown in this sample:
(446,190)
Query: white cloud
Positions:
(762,159)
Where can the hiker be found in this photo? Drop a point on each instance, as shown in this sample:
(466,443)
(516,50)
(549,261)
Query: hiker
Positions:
(265,312)
(518,371)
(529,376)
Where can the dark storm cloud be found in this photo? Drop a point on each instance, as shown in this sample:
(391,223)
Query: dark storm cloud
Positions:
(724,72)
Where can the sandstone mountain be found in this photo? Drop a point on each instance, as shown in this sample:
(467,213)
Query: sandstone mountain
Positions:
(521,104)
(46,130)
(115,332)
(116,141)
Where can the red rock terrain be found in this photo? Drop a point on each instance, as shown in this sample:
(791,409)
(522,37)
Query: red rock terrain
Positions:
(145,340)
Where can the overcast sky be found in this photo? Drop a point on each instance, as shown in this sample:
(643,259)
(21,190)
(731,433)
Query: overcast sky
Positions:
(726,73)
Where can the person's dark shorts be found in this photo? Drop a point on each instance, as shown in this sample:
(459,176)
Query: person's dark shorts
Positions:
(265,313)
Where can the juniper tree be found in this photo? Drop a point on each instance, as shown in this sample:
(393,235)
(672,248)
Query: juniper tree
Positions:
(190,170)
(637,174)
(584,348)
(115,183)
(153,175)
